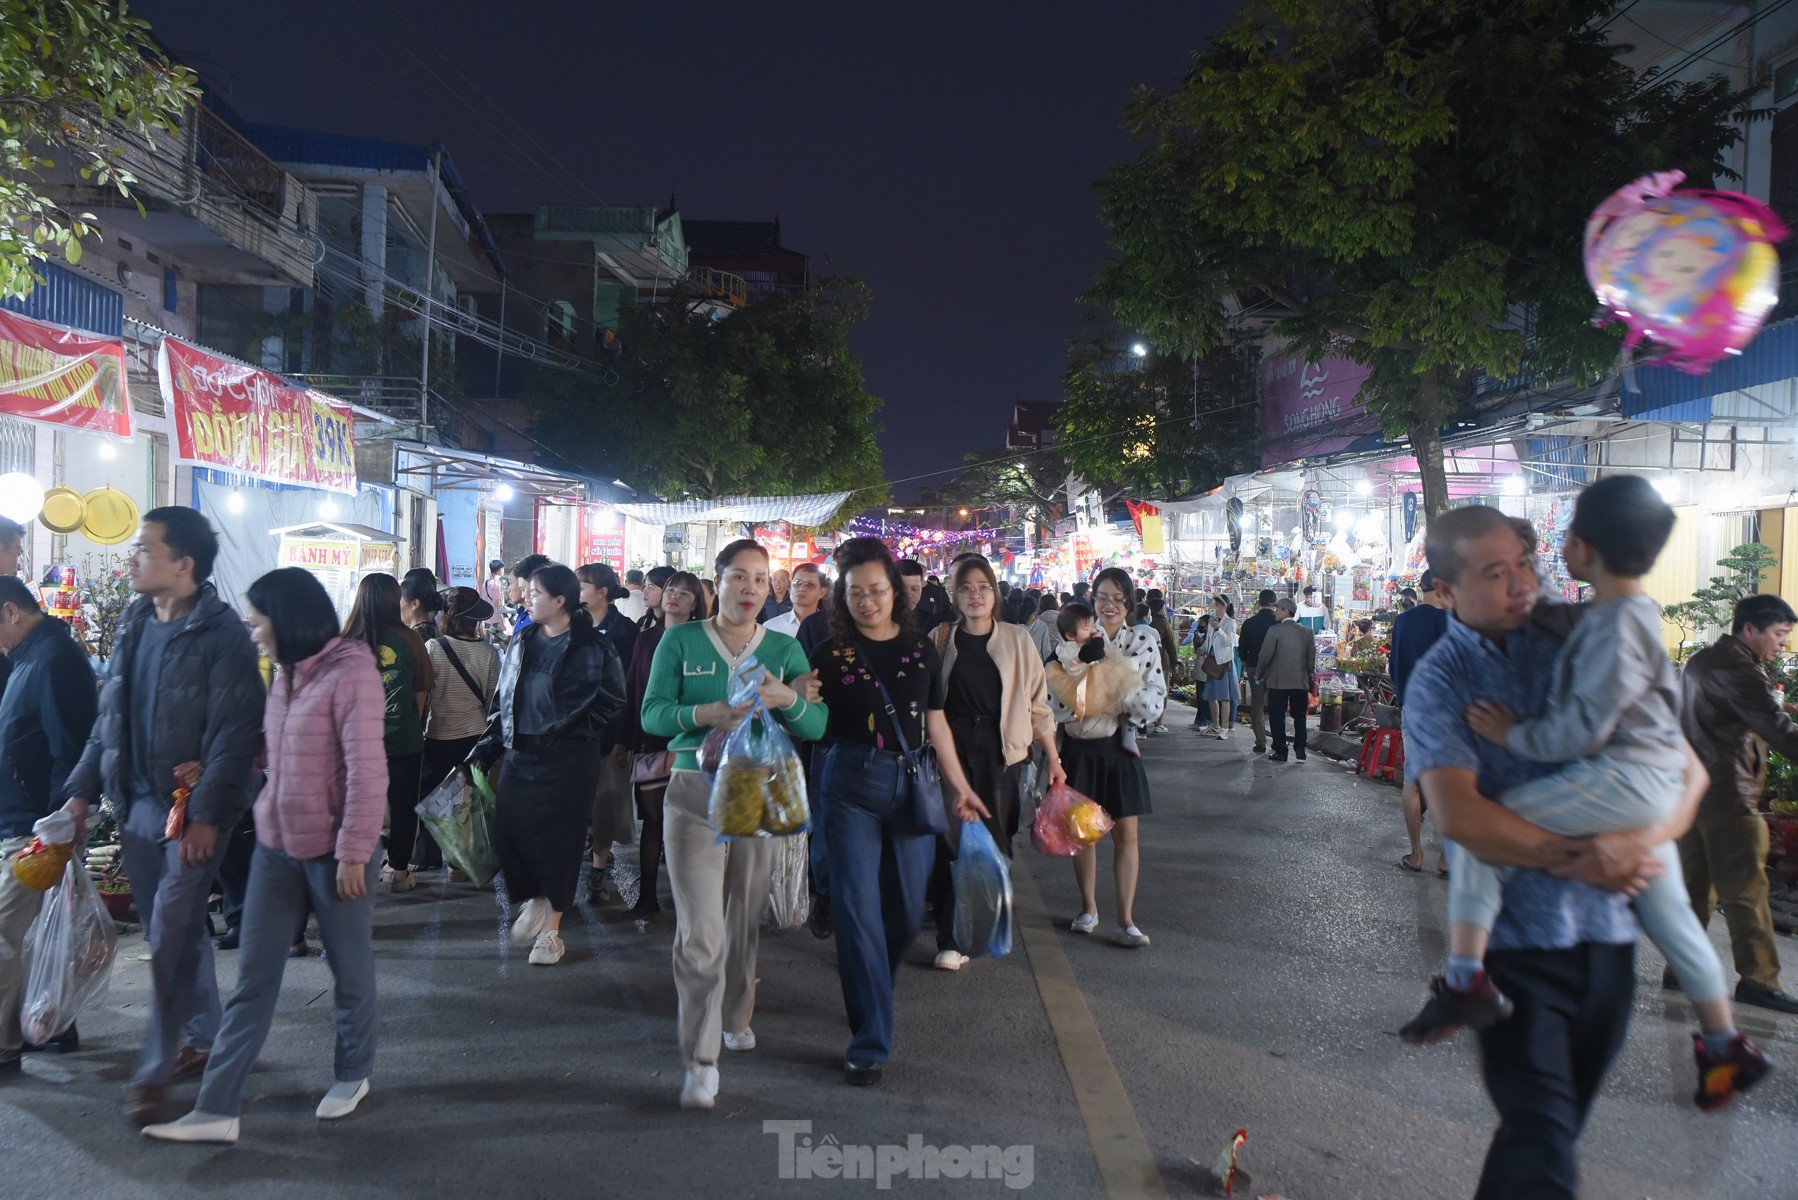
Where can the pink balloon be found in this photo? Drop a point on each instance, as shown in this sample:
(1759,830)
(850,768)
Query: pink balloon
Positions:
(1691,271)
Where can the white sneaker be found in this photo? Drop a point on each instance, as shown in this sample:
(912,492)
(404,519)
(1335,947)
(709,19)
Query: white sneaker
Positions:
(1129,935)
(1085,923)
(548,950)
(950,960)
(341,1100)
(399,881)
(532,919)
(739,1041)
(196,1126)
(700,1089)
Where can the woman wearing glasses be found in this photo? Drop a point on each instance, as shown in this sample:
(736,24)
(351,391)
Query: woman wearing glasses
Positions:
(884,685)
(997,704)
(1109,770)
(720,888)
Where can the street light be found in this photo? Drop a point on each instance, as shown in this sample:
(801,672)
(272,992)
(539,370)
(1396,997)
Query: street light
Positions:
(503,492)
(1363,488)
(1513,485)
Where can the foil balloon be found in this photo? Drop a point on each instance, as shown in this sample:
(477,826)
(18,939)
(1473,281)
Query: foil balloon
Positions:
(1690,271)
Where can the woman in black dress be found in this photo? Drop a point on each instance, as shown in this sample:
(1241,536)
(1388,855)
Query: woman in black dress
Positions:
(560,689)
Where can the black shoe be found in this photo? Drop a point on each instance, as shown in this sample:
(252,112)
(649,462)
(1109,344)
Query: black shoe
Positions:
(1774,999)
(1260,749)
(1447,1010)
(12,1062)
(66,1042)
(819,921)
(863,1074)
(1300,756)
(227,940)
(1276,756)
(1669,982)
(645,908)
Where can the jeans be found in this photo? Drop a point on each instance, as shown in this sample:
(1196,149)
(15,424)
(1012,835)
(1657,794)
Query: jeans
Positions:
(172,900)
(235,855)
(1544,1066)
(878,878)
(1280,701)
(1602,795)
(281,887)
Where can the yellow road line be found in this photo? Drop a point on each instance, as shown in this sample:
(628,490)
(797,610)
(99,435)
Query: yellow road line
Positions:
(1126,1163)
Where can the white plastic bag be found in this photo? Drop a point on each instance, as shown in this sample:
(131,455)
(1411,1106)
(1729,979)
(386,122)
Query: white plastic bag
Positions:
(790,892)
(68,956)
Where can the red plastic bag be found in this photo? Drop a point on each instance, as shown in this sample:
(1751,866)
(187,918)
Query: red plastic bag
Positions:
(1088,823)
(1049,832)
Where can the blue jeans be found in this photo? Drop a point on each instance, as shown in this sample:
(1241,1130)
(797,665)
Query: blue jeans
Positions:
(172,899)
(877,880)
(280,889)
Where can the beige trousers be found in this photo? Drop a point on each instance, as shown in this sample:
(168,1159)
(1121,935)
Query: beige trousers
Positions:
(19,906)
(720,890)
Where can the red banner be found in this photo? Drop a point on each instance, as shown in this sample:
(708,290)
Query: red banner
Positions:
(237,418)
(63,377)
(602,537)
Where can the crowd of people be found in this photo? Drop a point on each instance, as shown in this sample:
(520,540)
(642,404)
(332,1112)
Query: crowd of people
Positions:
(278,754)
(270,752)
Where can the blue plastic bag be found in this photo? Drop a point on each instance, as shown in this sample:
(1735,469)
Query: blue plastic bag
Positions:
(982,895)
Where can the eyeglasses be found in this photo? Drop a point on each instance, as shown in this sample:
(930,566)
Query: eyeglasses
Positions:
(856,595)
(974,589)
(1110,598)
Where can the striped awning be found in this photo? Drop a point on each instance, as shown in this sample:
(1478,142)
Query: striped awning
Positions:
(813,509)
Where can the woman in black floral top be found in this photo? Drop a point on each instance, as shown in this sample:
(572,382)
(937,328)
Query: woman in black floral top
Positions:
(879,860)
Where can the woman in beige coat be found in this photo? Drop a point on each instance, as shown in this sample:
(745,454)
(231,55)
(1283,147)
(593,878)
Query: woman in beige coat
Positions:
(997,704)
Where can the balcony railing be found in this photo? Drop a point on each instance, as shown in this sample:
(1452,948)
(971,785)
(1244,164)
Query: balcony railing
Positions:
(399,398)
(721,284)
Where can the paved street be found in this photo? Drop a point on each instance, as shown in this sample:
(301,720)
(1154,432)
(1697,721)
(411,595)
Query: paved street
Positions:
(1287,949)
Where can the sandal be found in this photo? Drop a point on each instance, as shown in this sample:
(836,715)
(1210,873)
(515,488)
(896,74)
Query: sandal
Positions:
(1405,866)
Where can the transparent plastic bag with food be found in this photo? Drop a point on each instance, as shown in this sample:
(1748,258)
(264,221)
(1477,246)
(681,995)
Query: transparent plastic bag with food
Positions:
(68,952)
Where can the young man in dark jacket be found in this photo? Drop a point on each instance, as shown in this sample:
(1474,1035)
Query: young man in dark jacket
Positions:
(46,714)
(1731,718)
(1248,641)
(182,696)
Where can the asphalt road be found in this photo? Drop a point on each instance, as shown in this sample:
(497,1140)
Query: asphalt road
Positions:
(1287,949)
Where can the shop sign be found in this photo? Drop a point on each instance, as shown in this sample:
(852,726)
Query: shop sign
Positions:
(63,377)
(602,537)
(319,554)
(379,556)
(1309,409)
(251,422)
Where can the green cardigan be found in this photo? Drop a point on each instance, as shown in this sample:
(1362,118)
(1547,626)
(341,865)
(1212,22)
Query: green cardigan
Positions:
(687,672)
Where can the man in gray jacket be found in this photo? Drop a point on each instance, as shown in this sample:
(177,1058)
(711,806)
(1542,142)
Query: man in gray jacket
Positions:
(181,704)
(1286,667)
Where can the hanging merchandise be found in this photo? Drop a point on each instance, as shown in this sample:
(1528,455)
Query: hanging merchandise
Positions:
(110,516)
(1691,270)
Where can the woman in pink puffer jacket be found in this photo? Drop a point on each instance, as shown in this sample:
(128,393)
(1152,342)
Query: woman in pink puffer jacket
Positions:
(318,821)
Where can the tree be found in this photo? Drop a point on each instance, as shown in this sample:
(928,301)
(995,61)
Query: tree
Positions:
(80,81)
(1155,426)
(1021,479)
(1405,183)
(765,400)
(1713,606)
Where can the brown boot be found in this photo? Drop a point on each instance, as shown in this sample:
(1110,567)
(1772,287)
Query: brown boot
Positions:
(190,1063)
(145,1104)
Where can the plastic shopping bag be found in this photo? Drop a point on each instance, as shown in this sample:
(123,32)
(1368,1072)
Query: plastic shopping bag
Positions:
(1087,822)
(459,814)
(68,956)
(1049,832)
(760,784)
(744,682)
(790,893)
(982,895)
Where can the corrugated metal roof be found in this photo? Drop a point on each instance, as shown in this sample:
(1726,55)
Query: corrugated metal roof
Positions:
(335,149)
(1666,394)
(66,298)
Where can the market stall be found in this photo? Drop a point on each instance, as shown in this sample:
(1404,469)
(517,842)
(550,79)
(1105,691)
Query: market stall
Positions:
(340,554)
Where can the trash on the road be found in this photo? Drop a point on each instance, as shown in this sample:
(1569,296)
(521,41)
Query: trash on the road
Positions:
(1226,1162)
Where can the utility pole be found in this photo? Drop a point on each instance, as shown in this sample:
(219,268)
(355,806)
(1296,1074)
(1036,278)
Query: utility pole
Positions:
(499,352)
(424,360)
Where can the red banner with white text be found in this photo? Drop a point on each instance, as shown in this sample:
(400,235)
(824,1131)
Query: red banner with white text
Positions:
(238,418)
(62,376)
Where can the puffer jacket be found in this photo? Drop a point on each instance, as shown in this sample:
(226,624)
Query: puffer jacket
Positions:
(587,690)
(207,709)
(327,764)
(1731,717)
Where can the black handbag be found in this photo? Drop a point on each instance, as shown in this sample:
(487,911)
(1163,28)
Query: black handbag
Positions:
(924,811)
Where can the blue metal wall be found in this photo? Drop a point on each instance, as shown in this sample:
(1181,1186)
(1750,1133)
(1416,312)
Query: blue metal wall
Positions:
(66,298)
(1668,395)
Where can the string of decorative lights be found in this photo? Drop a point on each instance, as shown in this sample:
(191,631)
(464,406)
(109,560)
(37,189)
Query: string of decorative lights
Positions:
(869,527)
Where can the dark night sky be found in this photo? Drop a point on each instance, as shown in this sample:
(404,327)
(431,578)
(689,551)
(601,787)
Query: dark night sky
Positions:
(945,153)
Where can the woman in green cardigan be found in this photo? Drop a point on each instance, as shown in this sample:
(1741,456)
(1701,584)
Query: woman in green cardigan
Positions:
(720,888)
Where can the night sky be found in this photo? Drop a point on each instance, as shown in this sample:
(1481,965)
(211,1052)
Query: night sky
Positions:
(945,153)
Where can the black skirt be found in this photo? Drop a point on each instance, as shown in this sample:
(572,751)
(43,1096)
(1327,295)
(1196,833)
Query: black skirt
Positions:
(982,754)
(542,804)
(1101,769)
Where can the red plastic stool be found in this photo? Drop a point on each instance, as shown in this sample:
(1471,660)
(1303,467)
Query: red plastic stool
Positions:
(1382,754)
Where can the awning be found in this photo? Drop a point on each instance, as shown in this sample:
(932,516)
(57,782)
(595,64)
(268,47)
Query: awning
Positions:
(814,509)
(433,469)
(1759,386)
(347,529)
(1248,487)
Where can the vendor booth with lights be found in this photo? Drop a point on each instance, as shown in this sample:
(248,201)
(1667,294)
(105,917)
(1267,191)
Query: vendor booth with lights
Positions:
(339,553)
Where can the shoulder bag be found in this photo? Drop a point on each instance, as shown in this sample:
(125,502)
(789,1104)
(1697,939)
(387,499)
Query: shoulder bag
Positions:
(924,811)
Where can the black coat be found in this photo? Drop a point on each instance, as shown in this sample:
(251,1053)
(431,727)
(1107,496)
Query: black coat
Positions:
(586,690)
(207,709)
(46,715)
